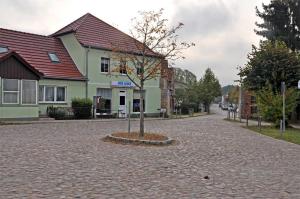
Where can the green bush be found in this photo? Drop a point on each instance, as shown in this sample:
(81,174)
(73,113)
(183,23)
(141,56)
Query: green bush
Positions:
(186,107)
(270,103)
(82,108)
(50,111)
(57,113)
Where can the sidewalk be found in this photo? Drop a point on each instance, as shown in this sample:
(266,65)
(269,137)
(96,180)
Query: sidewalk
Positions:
(51,120)
(250,122)
(296,126)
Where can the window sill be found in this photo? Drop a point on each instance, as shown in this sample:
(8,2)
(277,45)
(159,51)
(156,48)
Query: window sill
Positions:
(18,105)
(53,102)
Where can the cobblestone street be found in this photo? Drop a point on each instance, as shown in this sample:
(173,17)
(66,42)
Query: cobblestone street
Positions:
(69,160)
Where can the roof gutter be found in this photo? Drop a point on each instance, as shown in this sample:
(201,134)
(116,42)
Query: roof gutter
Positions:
(63,78)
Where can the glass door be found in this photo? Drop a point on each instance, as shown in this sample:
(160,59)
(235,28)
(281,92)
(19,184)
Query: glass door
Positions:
(122,104)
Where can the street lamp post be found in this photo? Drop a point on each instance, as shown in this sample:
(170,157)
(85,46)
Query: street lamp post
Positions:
(283,105)
(240,98)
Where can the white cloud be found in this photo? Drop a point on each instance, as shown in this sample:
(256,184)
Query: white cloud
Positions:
(221,29)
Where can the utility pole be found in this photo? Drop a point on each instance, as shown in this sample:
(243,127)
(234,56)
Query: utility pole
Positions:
(283,105)
(129,114)
(240,100)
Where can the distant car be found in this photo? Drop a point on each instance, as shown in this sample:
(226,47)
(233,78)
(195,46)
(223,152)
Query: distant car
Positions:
(224,107)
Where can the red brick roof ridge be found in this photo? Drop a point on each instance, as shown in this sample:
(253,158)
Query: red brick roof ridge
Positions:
(61,31)
(68,28)
(19,31)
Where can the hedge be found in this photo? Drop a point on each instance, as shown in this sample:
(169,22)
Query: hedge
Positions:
(82,108)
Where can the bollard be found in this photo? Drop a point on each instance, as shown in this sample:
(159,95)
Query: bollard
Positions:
(234,115)
(281,127)
(260,118)
(247,119)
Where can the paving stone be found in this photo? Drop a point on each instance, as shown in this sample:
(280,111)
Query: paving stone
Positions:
(69,160)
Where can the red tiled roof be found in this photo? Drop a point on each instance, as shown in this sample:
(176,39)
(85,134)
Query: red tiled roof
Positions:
(34,50)
(91,31)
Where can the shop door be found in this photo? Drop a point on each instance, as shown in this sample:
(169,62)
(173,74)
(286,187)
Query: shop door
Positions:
(122,104)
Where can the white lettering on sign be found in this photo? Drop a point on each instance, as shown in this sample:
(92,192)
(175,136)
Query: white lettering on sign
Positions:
(122,84)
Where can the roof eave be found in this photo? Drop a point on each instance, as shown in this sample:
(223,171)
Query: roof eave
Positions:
(66,78)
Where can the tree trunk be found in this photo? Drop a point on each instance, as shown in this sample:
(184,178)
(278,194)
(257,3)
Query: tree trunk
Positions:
(207,108)
(142,110)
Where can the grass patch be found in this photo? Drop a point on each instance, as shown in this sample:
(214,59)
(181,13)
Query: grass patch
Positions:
(290,135)
(182,116)
(135,135)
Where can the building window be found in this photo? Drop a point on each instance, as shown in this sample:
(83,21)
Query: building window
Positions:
(253,99)
(136,102)
(10,91)
(60,94)
(53,57)
(53,94)
(41,93)
(29,92)
(104,104)
(138,71)
(49,93)
(3,49)
(105,62)
(253,109)
(123,70)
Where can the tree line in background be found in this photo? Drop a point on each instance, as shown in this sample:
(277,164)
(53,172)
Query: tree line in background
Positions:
(276,59)
(199,92)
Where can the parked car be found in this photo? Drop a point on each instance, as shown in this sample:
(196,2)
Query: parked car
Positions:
(224,107)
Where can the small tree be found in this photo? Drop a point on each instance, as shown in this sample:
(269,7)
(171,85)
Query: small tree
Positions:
(233,95)
(270,103)
(154,43)
(209,89)
(270,64)
(188,96)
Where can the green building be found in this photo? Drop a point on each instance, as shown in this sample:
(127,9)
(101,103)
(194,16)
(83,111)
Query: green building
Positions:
(77,61)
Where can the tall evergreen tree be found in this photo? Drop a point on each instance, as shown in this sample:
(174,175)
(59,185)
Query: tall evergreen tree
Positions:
(281,21)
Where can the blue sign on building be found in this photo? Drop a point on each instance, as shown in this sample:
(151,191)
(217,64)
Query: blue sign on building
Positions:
(122,84)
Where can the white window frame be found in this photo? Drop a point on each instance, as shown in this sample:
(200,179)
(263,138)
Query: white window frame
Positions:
(36,92)
(4,49)
(108,65)
(55,56)
(55,94)
(18,92)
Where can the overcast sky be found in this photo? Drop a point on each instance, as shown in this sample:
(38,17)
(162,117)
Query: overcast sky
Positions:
(221,29)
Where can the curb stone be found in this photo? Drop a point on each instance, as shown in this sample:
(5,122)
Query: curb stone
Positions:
(136,141)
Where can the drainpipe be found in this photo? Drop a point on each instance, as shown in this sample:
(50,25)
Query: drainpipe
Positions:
(87,72)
